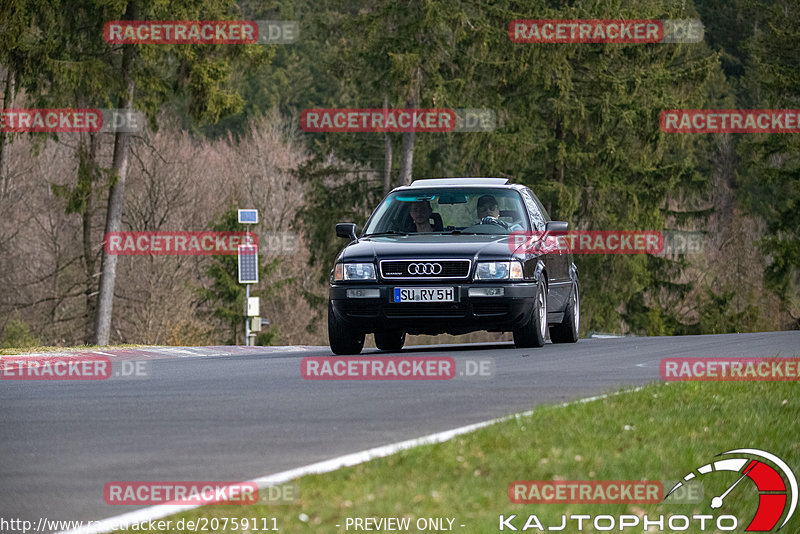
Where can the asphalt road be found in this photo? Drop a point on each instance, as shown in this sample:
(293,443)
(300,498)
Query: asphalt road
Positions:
(240,417)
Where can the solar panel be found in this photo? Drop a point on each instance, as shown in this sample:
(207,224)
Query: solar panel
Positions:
(248,216)
(248,264)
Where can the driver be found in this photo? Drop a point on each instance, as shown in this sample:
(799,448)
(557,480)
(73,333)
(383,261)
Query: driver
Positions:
(489,213)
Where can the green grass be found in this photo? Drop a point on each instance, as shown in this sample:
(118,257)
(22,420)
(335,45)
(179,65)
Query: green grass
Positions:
(672,429)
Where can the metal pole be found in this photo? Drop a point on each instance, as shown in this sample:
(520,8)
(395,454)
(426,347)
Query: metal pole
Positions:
(246,317)
(247,298)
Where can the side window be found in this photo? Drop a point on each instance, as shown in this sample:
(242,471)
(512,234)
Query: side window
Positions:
(537,217)
(541,209)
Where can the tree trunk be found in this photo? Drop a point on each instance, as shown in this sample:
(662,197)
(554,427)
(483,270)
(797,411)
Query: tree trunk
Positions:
(407,151)
(116,200)
(387,166)
(8,101)
(89,161)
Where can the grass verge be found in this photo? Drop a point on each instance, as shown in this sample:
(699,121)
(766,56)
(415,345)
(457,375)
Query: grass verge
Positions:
(661,432)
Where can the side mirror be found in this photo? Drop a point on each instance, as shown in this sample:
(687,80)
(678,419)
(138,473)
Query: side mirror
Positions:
(556,226)
(346,230)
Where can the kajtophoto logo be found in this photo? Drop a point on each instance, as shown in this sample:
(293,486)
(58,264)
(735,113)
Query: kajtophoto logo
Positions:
(770,483)
(775,486)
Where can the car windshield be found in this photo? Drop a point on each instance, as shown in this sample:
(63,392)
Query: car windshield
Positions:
(449,210)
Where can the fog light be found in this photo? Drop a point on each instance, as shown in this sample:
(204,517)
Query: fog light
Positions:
(486,292)
(363,293)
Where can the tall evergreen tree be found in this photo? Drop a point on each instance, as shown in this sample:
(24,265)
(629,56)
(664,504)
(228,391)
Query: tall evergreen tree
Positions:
(771,162)
(577,122)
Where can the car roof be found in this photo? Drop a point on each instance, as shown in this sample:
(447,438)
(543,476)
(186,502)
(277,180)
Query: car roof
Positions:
(455,182)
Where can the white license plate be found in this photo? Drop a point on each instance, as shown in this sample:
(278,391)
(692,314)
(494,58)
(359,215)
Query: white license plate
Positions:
(424,294)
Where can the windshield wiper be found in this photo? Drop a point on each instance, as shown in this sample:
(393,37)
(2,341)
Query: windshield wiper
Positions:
(390,232)
(457,232)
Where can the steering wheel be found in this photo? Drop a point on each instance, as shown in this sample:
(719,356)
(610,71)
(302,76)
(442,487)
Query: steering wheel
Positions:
(494,220)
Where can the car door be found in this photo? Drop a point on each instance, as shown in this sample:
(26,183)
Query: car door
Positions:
(556,263)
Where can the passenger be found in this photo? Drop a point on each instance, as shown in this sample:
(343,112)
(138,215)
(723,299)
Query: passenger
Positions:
(421,215)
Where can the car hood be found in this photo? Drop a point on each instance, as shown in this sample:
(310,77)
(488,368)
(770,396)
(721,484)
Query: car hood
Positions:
(428,246)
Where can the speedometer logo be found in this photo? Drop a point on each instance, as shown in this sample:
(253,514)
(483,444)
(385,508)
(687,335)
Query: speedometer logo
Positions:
(771,484)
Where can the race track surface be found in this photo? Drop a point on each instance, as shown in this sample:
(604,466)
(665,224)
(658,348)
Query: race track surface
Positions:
(210,416)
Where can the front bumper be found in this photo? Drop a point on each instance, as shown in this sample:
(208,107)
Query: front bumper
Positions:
(466,314)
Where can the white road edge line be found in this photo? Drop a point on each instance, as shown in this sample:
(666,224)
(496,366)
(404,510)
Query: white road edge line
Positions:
(170,351)
(326,466)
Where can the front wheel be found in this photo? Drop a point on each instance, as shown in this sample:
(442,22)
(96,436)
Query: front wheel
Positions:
(390,341)
(534,332)
(568,330)
(342,340)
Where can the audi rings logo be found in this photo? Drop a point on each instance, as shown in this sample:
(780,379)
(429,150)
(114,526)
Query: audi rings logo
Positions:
(424,268)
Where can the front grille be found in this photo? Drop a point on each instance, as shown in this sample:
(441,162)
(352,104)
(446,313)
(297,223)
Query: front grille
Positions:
(490,308)
(425,269)
(437,309)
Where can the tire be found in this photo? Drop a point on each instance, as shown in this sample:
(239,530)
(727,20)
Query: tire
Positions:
(534,332)
(390,341)
(342,340)
(569,329)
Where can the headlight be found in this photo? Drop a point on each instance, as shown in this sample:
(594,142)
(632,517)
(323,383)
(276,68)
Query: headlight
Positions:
(499,270)
(354,271)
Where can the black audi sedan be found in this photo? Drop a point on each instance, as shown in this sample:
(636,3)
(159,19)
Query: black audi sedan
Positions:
(441,256)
